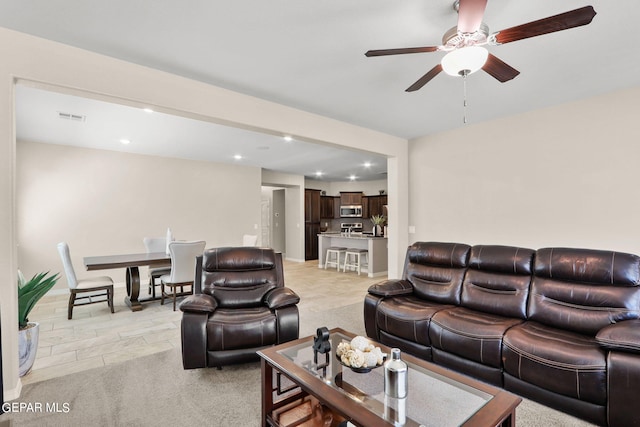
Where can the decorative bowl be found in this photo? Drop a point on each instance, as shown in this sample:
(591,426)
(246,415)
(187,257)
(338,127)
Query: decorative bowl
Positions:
(363,369)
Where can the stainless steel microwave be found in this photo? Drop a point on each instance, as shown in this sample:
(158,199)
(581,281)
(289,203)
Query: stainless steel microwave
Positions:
(353,211)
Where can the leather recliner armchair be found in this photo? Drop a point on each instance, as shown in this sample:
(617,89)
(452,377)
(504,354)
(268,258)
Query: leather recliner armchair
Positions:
(240,305)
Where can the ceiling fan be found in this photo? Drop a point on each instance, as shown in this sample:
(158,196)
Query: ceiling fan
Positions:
(464,42)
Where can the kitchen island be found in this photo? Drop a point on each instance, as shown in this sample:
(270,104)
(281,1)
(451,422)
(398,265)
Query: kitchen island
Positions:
(377,247)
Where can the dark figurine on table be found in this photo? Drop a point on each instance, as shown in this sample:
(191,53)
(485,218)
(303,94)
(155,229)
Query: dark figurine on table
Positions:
(321,344)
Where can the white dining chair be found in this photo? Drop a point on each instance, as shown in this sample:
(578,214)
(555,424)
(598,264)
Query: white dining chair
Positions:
(93,290)
(183,268)
(156,244)
(249,240)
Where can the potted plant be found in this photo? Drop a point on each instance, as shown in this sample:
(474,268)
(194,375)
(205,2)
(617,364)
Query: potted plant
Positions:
(378,222)
(29,293)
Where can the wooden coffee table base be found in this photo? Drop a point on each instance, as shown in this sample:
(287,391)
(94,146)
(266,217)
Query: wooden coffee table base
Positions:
(293,390)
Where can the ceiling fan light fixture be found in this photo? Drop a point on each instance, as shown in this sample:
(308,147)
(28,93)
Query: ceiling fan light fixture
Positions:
(466,60)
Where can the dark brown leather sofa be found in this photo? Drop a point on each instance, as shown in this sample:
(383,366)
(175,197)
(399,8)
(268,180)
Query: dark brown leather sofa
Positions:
(240,305)
(556,325)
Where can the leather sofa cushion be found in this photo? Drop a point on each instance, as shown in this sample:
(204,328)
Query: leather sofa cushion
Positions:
(498,280)
(502,259)
(582,308)
(436,270)
(281,297)
(470,334)
(623,336)
(452,255)
(437,284)
(584,290)
(560,361)
(389,288)
(199,303)
(500,294)
(230,329)
(239,259)
(588,266)
(407,317)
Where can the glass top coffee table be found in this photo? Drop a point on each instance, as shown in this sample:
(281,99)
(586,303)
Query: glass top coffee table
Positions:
(437,396)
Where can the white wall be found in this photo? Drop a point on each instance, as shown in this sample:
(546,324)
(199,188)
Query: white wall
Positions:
(104,203)
(72,70)
(561,176)
(294,210)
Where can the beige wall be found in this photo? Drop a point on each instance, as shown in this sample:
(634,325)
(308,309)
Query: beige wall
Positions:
(561,176)
(105,202)
(294,210)
(72,70)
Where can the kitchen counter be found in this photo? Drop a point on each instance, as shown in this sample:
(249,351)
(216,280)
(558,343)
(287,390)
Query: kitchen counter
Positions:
(377,247)
(350,236)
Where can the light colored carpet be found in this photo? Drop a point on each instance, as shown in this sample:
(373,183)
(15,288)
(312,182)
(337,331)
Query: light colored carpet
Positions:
(156,391)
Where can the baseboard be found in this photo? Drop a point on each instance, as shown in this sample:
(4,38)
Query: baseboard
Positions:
(13,393)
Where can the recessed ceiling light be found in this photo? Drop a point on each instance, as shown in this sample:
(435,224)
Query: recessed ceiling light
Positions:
(288,138)
(352,178)
(237,157)
(125,141)
(319,173)
(147,110)
(367,164)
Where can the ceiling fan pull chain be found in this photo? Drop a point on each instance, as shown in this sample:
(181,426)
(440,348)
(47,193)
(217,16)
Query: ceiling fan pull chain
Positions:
(464,102)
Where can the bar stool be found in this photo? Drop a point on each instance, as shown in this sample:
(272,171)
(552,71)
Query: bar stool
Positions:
(336,252)
(353,258)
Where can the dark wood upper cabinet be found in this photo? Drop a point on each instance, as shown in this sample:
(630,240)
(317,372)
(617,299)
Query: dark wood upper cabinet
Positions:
(375,206)
(351,198)
(327,207)
(365,207)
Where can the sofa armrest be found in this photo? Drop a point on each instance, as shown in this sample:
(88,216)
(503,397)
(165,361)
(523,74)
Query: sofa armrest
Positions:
(281,297)
(390,288)
(621,336)
(200,303)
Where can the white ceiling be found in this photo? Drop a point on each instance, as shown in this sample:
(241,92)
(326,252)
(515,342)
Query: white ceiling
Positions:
(310,55)
(104,125)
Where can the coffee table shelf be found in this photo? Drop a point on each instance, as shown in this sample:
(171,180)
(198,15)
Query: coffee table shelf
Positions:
(437,396)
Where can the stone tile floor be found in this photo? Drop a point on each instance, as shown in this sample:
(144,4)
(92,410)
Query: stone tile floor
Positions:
(95,337)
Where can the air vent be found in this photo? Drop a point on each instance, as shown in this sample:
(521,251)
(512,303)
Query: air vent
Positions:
(73,117)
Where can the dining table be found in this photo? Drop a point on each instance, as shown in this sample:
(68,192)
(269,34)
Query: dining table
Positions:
(132,263)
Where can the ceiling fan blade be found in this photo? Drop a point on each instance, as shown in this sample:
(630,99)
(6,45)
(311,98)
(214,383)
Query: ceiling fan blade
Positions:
(563,21)
(470,14)
(425,79)
(499,69)
(383,52)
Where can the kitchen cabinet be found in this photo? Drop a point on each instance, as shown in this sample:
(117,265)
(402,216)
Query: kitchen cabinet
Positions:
(311,223)
(375,206)
(311,205)
(311,232)
(365,207)
(351,198)
(327,207)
